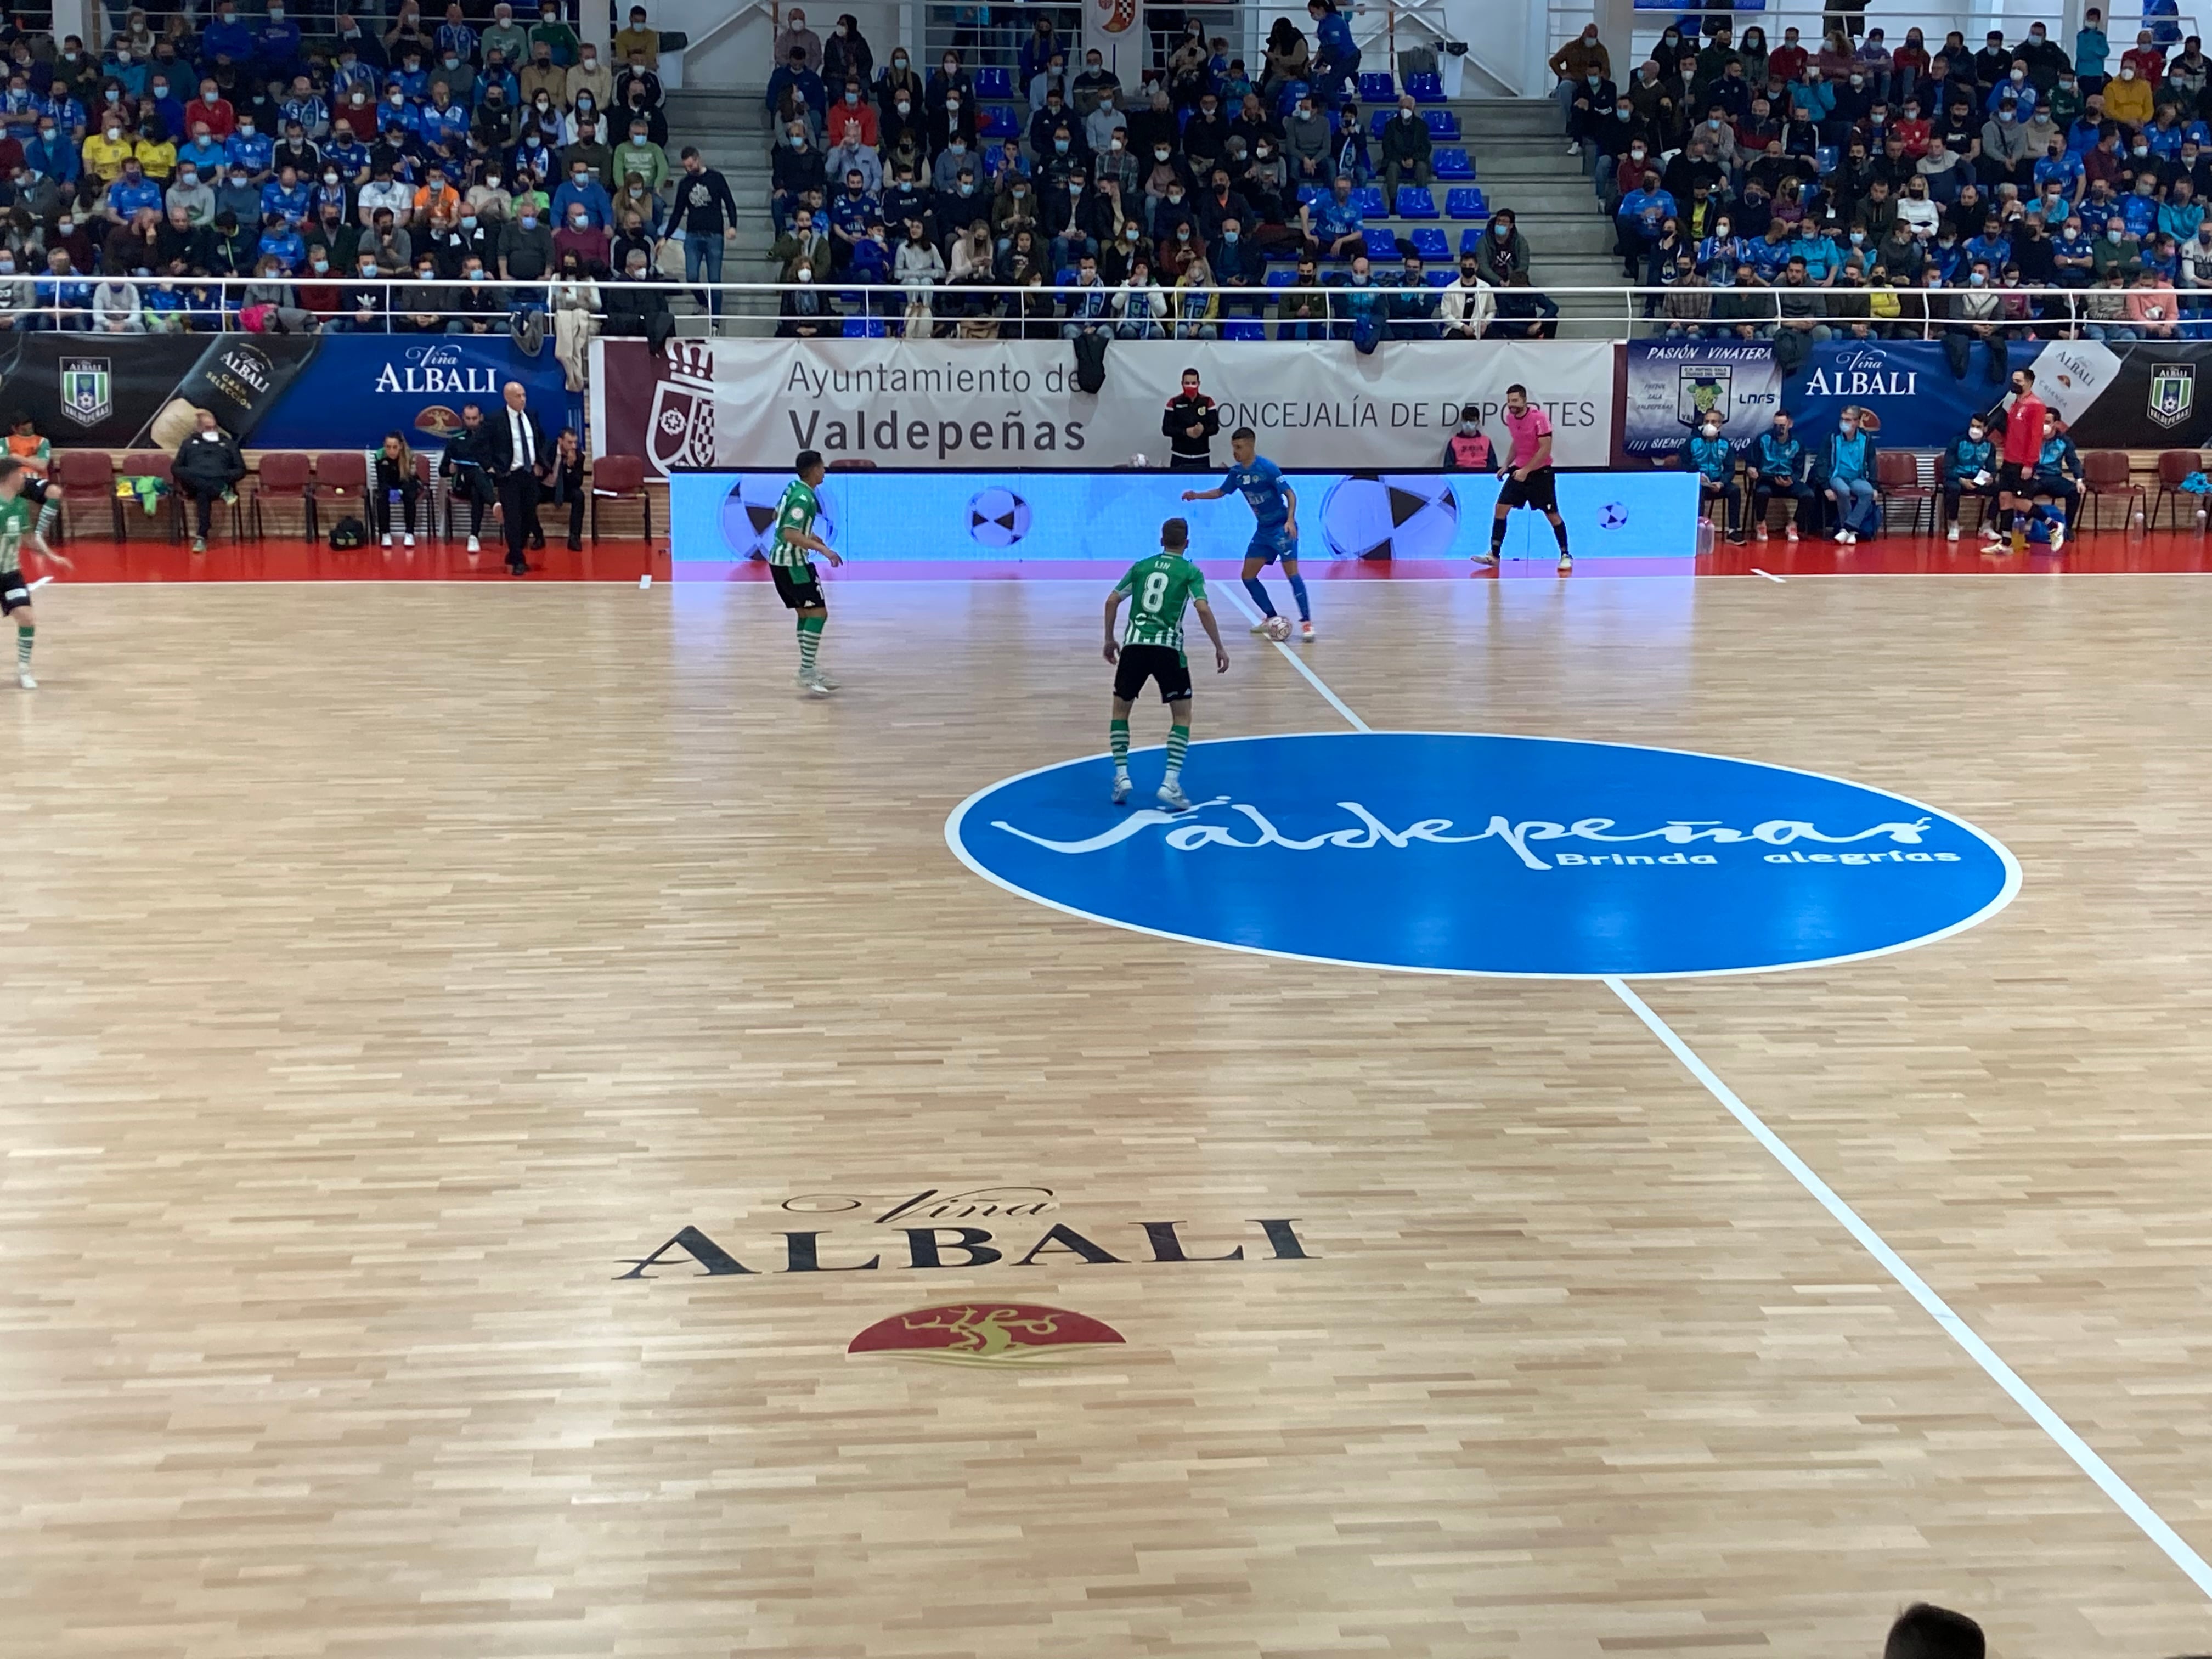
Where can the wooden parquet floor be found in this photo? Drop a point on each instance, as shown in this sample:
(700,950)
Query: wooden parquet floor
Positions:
(387,970)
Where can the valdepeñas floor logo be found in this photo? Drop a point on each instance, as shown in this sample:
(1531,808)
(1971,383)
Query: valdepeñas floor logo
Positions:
(1456,854)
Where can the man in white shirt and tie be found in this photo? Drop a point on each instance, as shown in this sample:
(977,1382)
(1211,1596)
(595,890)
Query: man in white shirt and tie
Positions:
(518,453)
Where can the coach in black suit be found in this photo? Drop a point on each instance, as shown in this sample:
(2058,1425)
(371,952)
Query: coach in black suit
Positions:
(516,452)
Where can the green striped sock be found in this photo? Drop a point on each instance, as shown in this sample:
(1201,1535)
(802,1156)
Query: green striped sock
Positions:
(1117,739)
(48,514)
(810,641)
(23,649)
(1178,746)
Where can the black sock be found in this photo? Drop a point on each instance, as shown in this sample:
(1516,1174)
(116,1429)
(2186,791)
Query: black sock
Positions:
(1497,536)
(1559,529)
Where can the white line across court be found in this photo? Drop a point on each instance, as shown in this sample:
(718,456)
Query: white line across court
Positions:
(2129,1502)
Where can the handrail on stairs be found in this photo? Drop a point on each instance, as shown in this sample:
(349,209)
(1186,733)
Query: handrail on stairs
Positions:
(737,14)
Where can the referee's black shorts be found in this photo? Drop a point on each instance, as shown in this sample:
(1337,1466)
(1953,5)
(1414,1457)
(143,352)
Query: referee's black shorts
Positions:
(1540,490)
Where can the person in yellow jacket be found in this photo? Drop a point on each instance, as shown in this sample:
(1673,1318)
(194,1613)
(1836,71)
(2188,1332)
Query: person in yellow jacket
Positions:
(107,149)
(158,156)
(2128,98)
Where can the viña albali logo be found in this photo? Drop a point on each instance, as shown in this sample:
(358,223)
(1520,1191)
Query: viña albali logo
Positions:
(1462,854)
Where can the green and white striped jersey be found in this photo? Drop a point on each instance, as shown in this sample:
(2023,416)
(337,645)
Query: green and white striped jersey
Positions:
(794,515)
(1158,589)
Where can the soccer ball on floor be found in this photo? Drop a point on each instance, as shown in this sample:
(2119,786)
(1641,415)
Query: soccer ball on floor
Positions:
(1279,628)
(997,517)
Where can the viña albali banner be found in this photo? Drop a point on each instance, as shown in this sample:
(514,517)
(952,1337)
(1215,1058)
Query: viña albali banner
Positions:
(278,391)
(1672,386)
(991,403)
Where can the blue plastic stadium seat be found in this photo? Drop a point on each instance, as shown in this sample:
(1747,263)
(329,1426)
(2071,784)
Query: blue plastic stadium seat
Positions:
(1243,328)
(1470,241)
(1370,199)
(1441,123)
(863,328)
(1429,242)
(1382,243)
(1414,202)
(1282,276)
(1281,251)
(1827,158)
(1426,89)
(1453,164)
(1376,88)
(1378,121)
(1308,193)
(1287,99)
(1440,278)
(1000,121)
(1466,202)
(994,83)
(1065,276)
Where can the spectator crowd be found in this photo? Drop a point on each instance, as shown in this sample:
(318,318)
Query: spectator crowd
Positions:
(490,164)
(1855,188)
(1189,206)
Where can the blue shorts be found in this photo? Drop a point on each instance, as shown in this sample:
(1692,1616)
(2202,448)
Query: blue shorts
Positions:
(1271,542)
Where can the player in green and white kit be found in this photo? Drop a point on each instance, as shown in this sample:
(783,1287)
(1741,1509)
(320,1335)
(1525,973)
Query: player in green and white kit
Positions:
(16,525)
(790,565)
(1158,588)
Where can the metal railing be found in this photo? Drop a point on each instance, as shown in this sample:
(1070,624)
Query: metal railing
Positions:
(756,309)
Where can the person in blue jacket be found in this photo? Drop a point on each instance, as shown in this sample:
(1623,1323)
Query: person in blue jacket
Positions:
(1712,458)
(1336,59)
(1781,466)
(1969,468)
(1847,467)
(2058,470)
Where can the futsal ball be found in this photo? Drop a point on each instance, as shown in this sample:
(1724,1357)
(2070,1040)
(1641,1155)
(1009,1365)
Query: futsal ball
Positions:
(997,517)
(748,514)
(1279,628)
(1613,515)
(1379,516)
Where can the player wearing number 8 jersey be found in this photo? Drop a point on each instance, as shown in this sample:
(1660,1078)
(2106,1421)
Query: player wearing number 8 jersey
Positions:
(790,562)
(1151,648)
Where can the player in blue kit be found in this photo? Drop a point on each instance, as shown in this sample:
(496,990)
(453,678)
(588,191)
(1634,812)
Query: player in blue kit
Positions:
(1274,507)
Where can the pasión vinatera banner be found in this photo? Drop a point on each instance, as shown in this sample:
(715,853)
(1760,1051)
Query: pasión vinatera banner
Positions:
(277,390)
(976,404)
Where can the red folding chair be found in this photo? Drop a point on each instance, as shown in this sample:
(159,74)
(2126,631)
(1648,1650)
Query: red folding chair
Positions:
(85,477)
(619,479)
(285,474)
(341,477)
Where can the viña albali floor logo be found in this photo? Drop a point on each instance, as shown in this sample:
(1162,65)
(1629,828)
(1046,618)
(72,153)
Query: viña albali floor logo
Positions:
(1459,853)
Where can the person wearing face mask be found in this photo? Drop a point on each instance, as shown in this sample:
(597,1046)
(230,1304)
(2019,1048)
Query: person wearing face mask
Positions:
(1969,467)
(2128,99)
(1572,66)
(952,120)
(1847,466)
(792,77)
(798,169)
(1780,467)
(1711,458)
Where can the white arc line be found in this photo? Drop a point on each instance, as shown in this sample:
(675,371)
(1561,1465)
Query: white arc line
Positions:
(41,583)
(1291,656)
(1768,574)
(2124,1497)
(1956,1329)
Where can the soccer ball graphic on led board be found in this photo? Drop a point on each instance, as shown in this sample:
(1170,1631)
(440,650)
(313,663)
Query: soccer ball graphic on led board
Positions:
(748,514)
(998,518)
(1387,515)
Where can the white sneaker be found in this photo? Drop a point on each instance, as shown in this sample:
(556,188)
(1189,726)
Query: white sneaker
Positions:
(814,685)
(407,540)
(825,682)
(1121,789)
(1789,532)
(1952,534)
(2058,537)
(1485,558)
(1259,627)
(388,539)
(1172,797)
(1305,633)
(23,679)
(1845,539)
(475,546)
(199,543)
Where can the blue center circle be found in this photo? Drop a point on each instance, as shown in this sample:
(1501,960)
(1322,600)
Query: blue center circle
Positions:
(1456,854)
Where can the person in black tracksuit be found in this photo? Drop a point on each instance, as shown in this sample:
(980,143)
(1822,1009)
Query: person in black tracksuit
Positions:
(467,476)
(564,484)
(1189,424)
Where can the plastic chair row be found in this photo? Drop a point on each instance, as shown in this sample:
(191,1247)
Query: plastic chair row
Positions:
(1427,88)
(1441,123)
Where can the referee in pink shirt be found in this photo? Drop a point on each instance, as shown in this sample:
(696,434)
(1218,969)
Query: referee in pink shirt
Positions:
(1529,481)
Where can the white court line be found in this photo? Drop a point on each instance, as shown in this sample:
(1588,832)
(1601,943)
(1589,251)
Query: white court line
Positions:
(41,583)
(1768,574)
(2124,1497)
(1237,598)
